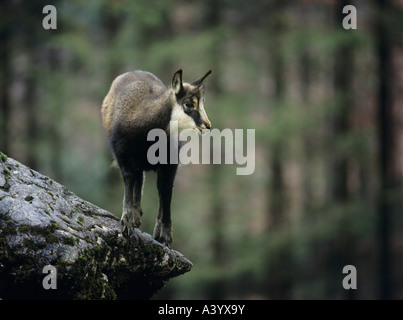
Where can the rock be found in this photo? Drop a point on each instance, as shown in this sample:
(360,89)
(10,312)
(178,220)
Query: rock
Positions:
(42,223)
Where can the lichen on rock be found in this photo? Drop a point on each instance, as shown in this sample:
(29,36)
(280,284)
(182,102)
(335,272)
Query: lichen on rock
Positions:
(42,223)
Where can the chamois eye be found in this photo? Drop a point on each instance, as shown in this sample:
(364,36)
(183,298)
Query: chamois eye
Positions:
(189,105)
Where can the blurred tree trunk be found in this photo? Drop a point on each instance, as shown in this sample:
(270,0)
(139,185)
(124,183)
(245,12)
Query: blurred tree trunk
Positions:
(162,31)
(279,280)
(390,135)
(276,182)
(56,137)
(30,102)
(308,264)
(343,71)
(217,288)
(338,192)
(305,72)
(385,145)
(5,74)
(31,39)
(111,25)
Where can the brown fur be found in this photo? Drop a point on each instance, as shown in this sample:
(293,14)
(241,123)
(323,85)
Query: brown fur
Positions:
(136,103)
(133,96)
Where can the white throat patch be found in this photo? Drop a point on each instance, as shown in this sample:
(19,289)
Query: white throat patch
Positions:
(183,120)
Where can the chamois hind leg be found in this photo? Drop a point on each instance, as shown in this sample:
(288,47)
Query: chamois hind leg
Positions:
(165,183)
(131,214)
(138,192)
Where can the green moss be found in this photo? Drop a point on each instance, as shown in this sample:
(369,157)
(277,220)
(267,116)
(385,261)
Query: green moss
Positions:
(67,221)
(80,220)
(42,187)
(34,245)
(88,266)
(10,230)
(88,239)
(48,233)
(69,241)
(3,157)
(152,249)
(51,238)
(29,198)
(75,227)
(51,194)
(47,212)
(24,229)
(6,186)
(7,195)
(54,225)
(6,171)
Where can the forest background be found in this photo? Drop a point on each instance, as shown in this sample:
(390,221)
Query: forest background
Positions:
(326,104)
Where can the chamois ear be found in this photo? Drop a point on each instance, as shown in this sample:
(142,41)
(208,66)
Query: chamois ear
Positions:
(201,80)
(177,84)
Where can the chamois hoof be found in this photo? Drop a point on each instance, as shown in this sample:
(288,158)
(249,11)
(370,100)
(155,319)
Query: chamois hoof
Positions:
(129,223)
(128,228)
(163,234)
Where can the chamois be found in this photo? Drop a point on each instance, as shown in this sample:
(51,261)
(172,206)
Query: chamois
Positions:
(136,103)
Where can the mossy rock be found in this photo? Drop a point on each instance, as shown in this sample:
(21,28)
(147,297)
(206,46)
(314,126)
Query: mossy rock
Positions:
(42,223)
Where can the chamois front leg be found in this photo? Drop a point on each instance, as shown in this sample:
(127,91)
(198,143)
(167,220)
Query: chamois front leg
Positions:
(165,183)
(131,215)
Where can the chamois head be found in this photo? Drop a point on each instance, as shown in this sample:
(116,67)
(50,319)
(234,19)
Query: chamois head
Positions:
(189,103)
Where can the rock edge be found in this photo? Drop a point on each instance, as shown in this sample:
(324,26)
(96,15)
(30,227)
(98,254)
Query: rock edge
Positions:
(42,223)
